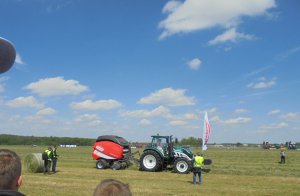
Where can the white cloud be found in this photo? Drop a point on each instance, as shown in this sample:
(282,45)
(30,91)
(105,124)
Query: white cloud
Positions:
(274,126)
(273,112)
(236,121)
(168,96)
(56,86)
(290,52)
(180,119)
(193,15)
(262,83)
(163,112)
(256,72)
(214,119)
(88,120)
(177,123)
(183,117)
(159,111)
(3,79)
(37,119)
(145,122)
(2,88)
(291,116)
(55,6)
(24,102)
(241,110)
(230,35)
(46,112)
(212,110)
(171,6)
(2,84)
(97,105)
(190,116)
(194,64)
(226,49)
(19,60)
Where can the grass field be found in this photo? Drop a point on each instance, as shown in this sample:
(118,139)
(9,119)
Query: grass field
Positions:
(238,171)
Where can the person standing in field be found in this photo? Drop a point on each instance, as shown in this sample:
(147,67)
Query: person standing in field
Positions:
(10,173)
(282,157)
(198,163)
(54,159)
(111,187)
(47,160)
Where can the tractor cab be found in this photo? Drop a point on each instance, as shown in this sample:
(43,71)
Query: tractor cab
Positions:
(163,145)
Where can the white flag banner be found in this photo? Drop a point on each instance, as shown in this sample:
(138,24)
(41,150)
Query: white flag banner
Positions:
(206,132)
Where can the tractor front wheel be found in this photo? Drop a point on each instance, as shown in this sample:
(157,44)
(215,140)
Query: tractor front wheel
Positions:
(151,161)
(182,166)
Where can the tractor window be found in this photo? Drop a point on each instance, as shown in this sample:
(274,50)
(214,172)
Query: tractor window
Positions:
(159,142)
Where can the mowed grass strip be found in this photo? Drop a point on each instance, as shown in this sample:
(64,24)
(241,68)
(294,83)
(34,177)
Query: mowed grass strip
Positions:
(233,172)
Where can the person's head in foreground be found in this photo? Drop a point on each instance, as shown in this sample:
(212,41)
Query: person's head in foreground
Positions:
(111,187)
(10,170)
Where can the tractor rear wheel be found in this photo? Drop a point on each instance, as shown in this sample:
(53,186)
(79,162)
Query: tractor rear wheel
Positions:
(182,166)
(151,161)
(101,164)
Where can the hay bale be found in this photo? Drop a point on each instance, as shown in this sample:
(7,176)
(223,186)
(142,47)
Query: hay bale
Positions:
(34,162)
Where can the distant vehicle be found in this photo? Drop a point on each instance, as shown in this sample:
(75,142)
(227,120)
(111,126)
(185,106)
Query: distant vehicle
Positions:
(291,146)
(288,145)
(268,145)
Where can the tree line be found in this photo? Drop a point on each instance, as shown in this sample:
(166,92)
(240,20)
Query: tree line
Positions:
(6,139)
(191,141)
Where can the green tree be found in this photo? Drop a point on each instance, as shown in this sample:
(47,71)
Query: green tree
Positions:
(192,141)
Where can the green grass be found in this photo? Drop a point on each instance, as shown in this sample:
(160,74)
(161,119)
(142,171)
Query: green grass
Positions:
(239,171)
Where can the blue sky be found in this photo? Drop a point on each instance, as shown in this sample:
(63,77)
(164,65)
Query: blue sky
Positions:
(138,68)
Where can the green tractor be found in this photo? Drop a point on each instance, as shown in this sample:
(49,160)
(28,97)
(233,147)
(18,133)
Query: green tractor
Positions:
(161,153)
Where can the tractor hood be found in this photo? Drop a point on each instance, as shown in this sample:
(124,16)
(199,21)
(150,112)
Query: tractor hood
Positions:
(184,150)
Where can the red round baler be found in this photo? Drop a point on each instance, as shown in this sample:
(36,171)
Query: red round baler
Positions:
(111,151)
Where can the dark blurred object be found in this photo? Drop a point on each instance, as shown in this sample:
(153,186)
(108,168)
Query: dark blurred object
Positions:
(7,55)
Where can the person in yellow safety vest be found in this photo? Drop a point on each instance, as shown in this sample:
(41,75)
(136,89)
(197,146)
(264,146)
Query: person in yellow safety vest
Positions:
(197,167)
(54,159)
(47,162)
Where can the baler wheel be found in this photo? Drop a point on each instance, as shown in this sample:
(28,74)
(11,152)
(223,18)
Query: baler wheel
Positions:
(101,164)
